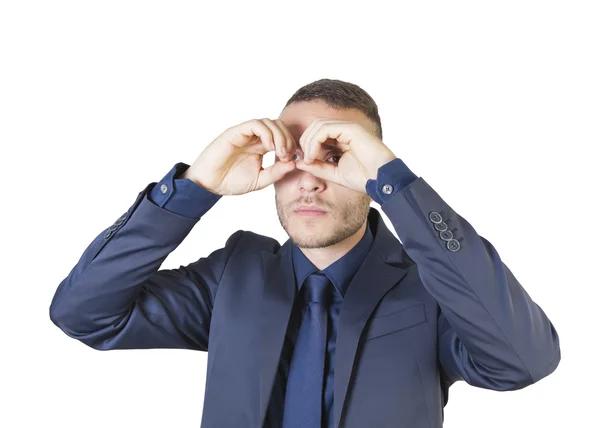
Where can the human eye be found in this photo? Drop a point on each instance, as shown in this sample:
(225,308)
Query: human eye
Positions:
(335,155)
(300,155)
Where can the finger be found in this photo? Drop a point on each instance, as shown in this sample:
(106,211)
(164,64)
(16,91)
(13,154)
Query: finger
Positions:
(307,136)
(274,173)
(322,170)
(255,127)
(313,146)
(338,132)
(290,141)
(279,138)
(312,141)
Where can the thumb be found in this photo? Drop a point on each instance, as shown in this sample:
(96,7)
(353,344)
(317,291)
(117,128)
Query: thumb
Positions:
(318,168)
(274,173)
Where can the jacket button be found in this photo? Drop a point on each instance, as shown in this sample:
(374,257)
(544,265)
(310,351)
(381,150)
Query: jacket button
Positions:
(440,226)
(164,188)
(121,219)
(453,245)
(435,217)
(446,235)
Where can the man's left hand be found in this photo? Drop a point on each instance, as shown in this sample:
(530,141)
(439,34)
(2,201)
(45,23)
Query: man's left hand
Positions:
(362,153)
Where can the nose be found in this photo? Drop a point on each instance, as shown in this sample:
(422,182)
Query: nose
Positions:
(308,182)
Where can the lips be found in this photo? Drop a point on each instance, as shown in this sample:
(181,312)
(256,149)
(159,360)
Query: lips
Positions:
(309,208)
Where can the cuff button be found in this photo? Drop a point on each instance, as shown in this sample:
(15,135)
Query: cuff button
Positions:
(435,217)
(453,245)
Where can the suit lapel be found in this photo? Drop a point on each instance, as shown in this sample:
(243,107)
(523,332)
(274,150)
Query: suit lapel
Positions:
(276,308)
(374,278)
(379,272)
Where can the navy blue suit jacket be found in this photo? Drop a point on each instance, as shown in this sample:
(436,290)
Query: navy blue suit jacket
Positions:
(438,307)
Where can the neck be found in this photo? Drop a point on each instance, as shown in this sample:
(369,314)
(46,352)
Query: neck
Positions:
(323,257)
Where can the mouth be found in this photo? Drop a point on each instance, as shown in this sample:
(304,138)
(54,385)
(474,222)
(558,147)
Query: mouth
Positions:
(310,213)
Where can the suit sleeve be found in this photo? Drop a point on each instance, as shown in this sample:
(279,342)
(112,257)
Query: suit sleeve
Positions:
(490,332)
(181,195)
(396,174)
(116,297)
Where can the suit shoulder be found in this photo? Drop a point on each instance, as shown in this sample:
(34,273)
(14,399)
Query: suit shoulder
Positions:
(254,241)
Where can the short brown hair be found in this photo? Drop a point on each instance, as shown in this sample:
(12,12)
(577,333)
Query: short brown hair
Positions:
(340,95)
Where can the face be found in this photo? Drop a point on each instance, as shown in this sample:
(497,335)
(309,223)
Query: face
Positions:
(346,210)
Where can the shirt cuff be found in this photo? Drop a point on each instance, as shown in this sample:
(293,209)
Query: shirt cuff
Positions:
(396,174)
(181,195)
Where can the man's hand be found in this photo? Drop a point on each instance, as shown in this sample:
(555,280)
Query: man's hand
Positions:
(363,153)
(232,163)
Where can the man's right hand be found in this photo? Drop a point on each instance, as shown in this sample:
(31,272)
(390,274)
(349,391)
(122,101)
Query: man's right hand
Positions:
(232,163)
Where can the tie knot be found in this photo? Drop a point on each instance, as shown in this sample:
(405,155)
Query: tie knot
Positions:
(317,288)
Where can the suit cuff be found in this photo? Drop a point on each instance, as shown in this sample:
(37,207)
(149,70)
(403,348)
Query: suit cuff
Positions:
(181,195)
(391,177)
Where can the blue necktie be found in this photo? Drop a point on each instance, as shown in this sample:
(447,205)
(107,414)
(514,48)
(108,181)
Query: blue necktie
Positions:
(304,390)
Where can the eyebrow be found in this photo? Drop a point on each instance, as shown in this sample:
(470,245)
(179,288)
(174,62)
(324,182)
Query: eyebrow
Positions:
(328,147)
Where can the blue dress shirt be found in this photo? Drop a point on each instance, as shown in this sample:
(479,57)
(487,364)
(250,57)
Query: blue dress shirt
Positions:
(186,198)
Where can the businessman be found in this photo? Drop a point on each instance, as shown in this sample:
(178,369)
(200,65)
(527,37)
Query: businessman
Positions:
(342,326)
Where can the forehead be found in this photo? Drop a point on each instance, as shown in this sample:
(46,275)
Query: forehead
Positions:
(298,116)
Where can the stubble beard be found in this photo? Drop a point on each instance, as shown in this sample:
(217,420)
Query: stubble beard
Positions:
(338,224)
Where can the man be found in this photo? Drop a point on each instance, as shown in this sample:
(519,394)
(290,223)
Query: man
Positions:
(397,323)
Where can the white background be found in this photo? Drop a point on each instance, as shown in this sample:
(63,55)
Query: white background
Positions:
(494,104)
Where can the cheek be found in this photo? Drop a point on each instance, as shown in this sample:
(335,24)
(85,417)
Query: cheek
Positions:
(282,187)
(288,179)
(285,190)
